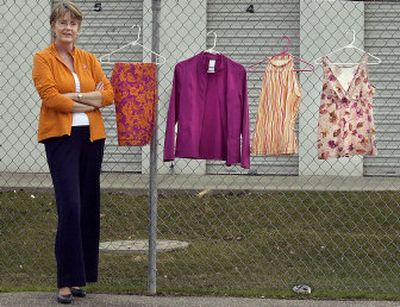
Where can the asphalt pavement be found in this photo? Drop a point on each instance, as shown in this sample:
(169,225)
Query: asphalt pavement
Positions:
(44,299)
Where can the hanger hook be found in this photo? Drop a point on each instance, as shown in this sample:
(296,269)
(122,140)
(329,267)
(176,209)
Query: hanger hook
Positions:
(215,38)
(289,42)
(354,37)
(139,32)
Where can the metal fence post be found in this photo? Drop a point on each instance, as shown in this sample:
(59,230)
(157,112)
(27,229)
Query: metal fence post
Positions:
(152,270)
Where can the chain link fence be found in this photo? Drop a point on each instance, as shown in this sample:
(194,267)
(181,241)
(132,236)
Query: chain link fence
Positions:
(294,219)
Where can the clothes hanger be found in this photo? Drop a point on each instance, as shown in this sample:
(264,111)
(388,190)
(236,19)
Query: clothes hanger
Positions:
(211,50)
(285,51)
(350,46)
(106,59)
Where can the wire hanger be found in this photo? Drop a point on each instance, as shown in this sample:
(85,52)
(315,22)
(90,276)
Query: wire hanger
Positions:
(285,51)
(106,59)
(211,50)
(350,46)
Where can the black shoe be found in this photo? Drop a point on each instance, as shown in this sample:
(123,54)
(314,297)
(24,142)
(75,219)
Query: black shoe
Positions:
(78,292)
(64,299)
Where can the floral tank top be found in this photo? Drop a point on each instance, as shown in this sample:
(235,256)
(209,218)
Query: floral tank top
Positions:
(346,123)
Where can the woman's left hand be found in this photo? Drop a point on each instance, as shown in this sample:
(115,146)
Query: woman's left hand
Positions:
(89,98)
(70,95)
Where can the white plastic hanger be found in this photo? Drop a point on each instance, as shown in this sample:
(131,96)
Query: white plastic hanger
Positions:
(350,46)
(106,59)
(211,50)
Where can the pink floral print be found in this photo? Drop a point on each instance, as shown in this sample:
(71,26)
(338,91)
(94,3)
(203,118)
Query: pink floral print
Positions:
(346,123)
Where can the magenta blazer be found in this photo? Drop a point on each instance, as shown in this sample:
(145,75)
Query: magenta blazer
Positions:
(211,110)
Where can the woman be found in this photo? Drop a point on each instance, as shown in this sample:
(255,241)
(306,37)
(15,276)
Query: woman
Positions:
(73,88)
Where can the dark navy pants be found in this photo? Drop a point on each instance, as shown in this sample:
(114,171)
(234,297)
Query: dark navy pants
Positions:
(75,164)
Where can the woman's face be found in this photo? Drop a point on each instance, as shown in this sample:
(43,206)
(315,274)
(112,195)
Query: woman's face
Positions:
(66,29)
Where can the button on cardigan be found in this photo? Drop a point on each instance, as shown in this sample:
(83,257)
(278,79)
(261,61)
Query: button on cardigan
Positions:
(210,110)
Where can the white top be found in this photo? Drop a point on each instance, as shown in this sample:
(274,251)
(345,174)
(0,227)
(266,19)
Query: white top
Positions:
(344,73)
(79,118)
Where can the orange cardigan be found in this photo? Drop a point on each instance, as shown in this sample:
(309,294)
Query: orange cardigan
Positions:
(53,78)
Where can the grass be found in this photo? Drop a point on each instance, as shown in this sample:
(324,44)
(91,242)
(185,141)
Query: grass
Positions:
(342,244)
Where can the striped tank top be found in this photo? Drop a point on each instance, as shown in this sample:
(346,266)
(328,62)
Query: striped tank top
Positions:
(277,110)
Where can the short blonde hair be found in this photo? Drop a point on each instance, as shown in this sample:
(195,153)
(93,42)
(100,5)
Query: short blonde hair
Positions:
(64,7)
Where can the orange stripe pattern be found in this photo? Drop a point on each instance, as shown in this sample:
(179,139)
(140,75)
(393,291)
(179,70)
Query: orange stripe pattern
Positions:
(277,110)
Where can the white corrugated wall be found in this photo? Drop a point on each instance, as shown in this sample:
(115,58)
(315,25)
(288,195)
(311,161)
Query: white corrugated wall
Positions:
(248,38)
(104,31)
(382,38)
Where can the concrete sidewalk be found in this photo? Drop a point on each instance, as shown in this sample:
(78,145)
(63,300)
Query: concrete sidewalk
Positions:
(48,299)
(184,182)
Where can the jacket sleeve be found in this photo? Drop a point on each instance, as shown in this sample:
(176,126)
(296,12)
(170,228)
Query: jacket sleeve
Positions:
(245,127)
(107,93)
(172,119)
(47,88)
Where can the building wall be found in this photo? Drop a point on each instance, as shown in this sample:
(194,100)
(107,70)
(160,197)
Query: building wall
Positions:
(25,30)
(182,35)
(318,38)
(246,38)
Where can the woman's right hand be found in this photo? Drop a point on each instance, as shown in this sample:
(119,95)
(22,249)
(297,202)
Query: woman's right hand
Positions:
(80,107)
